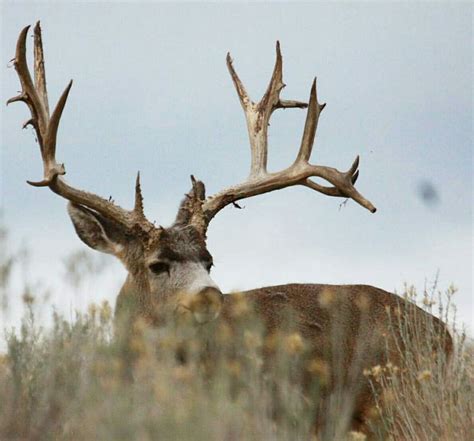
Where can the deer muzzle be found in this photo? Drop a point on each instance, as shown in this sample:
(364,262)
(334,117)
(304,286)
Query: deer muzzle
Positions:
(206,305)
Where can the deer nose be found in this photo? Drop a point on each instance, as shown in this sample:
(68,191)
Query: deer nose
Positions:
(207,304)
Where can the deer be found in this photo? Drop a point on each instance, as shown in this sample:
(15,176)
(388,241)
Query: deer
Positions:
(171,265)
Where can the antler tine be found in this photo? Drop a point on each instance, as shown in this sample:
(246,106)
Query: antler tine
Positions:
(29,95)
(300,172)
(40,75)
(36,98)
(244,98)
(272,95)
(343,182)
(276,85)
(51,168)
(311,124)
(138,207)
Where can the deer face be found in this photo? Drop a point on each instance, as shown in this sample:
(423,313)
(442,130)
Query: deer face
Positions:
(167,266)
(178,270)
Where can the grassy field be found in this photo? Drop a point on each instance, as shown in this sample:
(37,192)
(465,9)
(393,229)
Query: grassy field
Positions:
(91,379)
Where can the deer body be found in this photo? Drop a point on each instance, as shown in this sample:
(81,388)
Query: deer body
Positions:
(169,268)
(348,330)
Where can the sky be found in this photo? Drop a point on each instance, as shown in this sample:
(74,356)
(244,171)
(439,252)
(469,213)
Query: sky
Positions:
(152,93)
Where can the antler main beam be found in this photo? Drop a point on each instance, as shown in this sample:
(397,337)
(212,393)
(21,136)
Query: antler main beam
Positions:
(35,96)
(299,173)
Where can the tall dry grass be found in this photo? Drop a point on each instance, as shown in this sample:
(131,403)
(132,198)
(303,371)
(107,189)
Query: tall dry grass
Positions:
(432,396)
(88,379)
(76,382)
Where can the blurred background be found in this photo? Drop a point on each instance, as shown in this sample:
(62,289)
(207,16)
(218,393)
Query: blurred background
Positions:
(152,93)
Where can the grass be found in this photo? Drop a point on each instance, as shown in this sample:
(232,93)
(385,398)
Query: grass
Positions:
(430,398)
(73,382)
(91,379)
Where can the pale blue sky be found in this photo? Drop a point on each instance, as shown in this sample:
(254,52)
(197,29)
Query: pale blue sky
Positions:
(152,93)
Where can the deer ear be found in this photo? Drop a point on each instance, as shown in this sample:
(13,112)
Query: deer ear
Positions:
(96,231)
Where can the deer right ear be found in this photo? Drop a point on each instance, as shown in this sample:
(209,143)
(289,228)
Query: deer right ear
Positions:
(96,231)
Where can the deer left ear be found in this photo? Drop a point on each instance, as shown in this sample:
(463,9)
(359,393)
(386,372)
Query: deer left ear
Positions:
(96,231)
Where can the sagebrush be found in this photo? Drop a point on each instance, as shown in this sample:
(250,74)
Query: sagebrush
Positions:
(76,381)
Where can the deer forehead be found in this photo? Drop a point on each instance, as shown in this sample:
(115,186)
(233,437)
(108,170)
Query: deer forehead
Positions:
(180,245)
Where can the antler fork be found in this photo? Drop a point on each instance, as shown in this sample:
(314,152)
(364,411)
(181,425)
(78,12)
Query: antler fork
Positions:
(299,173)
(35,96)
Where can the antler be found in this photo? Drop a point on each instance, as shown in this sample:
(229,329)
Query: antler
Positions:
(35,96)
(299,173)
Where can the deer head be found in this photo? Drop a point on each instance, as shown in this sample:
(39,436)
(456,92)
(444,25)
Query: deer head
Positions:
(171,266)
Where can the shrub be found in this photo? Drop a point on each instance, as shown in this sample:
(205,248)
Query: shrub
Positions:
(92,379)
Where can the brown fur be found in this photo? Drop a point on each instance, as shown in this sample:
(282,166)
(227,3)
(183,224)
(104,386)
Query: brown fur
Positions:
(347,327)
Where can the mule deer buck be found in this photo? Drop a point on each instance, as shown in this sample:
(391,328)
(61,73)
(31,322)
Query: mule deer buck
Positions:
(171,266)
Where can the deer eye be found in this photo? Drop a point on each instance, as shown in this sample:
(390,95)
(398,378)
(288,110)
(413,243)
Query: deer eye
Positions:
(159,268)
